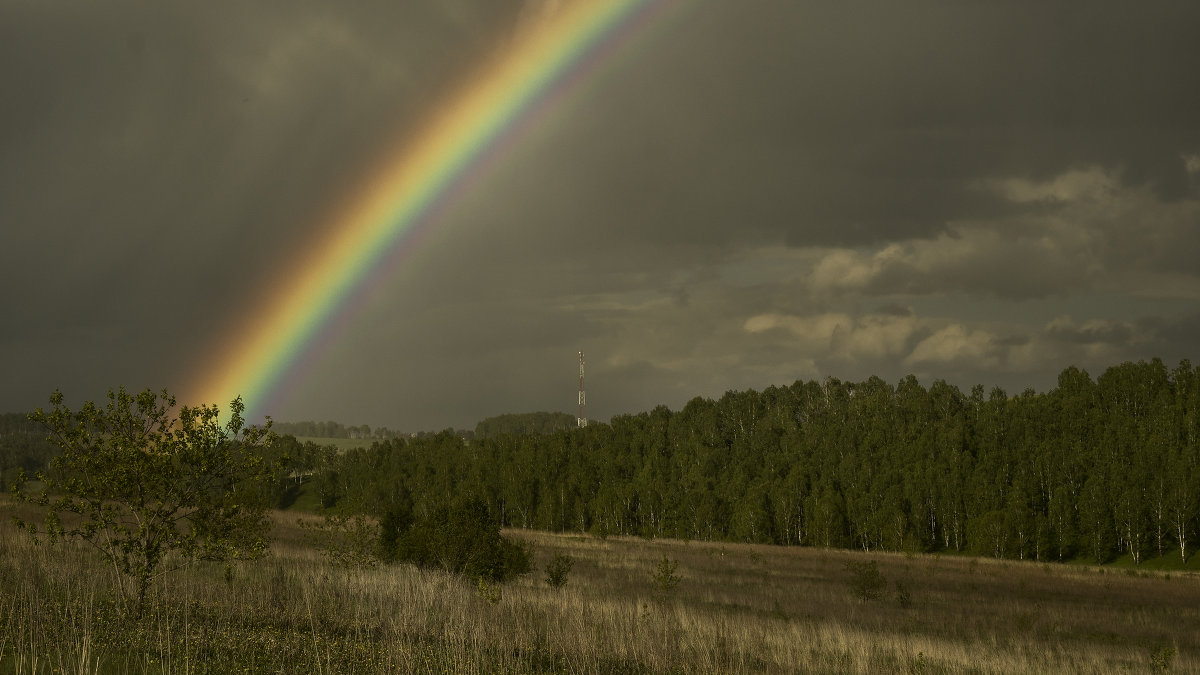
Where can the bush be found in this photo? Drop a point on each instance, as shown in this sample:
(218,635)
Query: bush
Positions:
(345,541)
(865,580)
(463,538)
(394,525)
(903,596)
(557,570)
(664,578)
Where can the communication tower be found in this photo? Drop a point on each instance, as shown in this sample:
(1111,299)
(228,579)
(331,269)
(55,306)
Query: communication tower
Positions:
(580,418)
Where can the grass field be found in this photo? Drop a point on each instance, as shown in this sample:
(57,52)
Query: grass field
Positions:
(737,608)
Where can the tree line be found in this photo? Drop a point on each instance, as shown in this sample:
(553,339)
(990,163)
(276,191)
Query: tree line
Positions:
(331,429)
(23,443)
(524,423)
(1092,469)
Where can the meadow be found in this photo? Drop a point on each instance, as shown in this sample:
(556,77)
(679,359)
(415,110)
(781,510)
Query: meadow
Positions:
(737,608)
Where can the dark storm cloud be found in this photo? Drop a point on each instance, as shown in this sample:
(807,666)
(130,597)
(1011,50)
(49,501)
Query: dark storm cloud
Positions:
(850,125)
(163,162)
(751,193)
(1119,333)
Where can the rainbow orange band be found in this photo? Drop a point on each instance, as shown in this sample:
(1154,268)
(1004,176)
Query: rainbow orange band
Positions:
(402,199)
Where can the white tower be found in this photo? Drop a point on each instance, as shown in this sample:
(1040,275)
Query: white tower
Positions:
(580,418)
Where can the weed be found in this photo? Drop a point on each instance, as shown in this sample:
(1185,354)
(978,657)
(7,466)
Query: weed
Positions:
(903,596)
(345,541)
(1161,656)
(918,665)
(488,591)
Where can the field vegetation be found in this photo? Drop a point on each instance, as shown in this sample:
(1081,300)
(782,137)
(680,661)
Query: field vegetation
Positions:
(922,531)
(629,605)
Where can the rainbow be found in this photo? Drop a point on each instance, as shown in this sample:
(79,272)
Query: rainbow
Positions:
(389,214)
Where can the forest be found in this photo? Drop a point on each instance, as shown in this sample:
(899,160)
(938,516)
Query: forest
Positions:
(23,443)
(331,429)
(1090,470)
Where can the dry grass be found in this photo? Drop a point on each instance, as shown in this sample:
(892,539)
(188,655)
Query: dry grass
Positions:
(738,609)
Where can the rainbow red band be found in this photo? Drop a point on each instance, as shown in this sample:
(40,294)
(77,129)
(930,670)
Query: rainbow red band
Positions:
(402,200)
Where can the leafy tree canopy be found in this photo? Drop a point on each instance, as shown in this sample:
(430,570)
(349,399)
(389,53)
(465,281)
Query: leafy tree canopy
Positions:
(148,483)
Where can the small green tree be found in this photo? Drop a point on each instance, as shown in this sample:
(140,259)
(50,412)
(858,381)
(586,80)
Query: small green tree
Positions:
(865,580)
(557,570)
(140,480)
(663,578)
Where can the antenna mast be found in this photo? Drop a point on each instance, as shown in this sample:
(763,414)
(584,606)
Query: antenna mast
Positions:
(580,419)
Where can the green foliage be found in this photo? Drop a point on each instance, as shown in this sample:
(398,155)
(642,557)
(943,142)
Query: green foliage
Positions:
(345,540)
(1161,656)
(462,537)
(141,481)
(330,429)
(488,592)
(526,423)
(395,525)
(1098,469)
(23,445)
(329,488)
(294,465)
(557,570)
(866,581)
(663,579)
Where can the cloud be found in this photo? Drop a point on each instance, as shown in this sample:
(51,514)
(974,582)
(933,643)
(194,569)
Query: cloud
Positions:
(1118,333)
(735,197)
(1080,230)
(969,259)
(841,336)
(1090,183)
(956,343)
(891,344)
(1191,163)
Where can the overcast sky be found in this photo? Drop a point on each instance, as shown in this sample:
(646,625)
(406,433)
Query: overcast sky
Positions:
(749,193)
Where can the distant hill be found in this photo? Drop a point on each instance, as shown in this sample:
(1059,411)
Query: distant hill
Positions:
(524,423)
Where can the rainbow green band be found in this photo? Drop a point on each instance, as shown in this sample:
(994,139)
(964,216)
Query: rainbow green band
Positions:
(401,200)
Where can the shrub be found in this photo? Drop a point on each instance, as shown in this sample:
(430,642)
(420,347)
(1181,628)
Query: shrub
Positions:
(557,570)
(664,579)
(903,596)
(865,580)
(394,525)
(463,538)
(346,541)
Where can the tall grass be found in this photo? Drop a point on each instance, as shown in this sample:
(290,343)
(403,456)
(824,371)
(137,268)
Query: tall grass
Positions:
(738,608)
